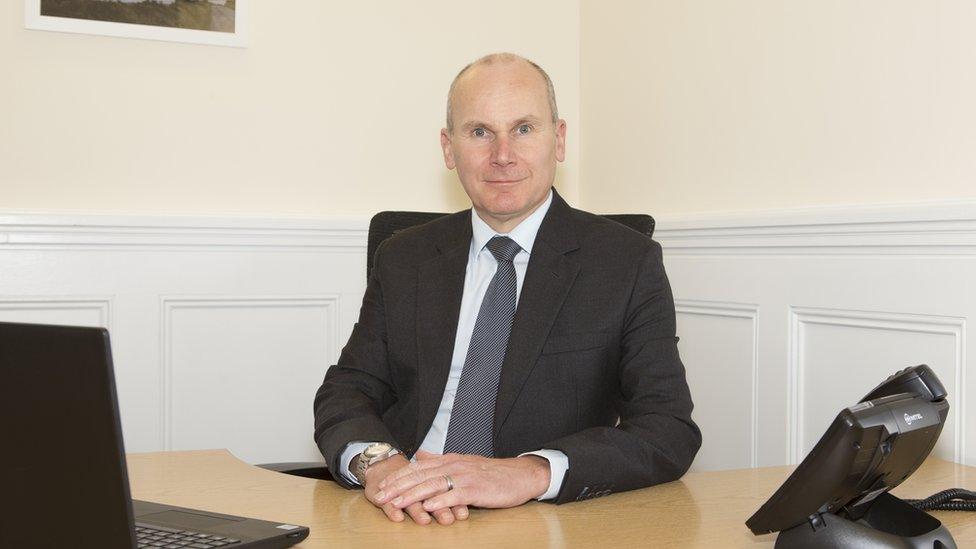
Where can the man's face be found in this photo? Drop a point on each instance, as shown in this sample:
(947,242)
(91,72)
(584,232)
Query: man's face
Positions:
(504,143)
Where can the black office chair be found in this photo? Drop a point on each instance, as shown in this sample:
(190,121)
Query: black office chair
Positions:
(386,224)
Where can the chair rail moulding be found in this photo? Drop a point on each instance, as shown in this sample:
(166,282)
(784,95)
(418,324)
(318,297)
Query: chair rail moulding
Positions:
(945,227)
(47,231)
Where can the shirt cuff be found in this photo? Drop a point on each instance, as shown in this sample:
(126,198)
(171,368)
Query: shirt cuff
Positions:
(558,465)
(350,451)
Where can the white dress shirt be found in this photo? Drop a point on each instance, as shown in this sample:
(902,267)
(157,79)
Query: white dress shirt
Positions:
(480,270)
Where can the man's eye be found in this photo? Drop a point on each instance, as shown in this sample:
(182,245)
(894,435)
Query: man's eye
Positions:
(524,129)
(479,132)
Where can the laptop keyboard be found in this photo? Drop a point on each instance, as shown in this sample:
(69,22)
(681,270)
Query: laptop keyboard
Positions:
(153,536)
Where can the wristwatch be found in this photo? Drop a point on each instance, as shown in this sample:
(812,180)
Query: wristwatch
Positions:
(372,454)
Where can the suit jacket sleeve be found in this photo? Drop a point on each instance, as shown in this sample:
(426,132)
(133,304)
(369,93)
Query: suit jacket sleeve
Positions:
(358,390)
(656,439)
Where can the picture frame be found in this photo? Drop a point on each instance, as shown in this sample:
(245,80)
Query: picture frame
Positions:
(232,32)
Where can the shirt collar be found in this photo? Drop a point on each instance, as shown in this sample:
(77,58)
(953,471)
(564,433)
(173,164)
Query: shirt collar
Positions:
(523,235)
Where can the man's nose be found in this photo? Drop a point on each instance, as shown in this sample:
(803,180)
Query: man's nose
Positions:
(501,152)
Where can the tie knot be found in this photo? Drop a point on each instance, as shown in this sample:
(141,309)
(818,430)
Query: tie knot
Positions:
(503,248)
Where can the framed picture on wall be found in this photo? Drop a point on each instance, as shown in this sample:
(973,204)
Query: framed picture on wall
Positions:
(217,22)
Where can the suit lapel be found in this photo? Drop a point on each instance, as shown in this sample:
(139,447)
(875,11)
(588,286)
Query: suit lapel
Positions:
(549,277)
(440,286)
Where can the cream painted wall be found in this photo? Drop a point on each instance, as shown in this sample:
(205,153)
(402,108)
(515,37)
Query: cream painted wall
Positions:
(334,108)
(689,106)
(704,105)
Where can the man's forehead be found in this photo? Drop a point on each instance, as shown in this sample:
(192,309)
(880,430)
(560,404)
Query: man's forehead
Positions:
(511,88)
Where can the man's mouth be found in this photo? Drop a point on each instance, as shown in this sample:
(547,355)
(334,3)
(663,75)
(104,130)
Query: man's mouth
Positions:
(504,181)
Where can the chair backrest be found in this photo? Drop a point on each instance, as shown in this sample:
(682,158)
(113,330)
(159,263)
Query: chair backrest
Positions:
(386,224)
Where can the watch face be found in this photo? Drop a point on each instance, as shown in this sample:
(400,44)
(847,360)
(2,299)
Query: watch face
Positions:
(378,449)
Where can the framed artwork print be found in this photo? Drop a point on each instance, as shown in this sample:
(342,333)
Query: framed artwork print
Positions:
(217,22)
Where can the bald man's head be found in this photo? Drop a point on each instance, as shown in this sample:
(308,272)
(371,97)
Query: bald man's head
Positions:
(496,58)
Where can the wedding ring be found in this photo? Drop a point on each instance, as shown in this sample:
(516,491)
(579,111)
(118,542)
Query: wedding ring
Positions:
(450,483)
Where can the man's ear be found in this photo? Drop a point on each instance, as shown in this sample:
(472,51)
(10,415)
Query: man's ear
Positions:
(561,140)
(446,147)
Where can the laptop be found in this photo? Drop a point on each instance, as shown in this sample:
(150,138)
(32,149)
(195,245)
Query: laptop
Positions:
(63,478)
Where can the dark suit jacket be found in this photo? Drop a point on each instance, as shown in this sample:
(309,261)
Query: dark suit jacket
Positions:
(593,342)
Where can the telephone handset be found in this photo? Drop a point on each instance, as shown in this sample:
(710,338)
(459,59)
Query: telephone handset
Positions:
(915,380)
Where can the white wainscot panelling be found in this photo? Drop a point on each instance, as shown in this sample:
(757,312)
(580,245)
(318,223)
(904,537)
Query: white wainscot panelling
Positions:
(193,369)
(718,349)
(111,270)
(838,355)
(849,294)
(240,373)
(69,311)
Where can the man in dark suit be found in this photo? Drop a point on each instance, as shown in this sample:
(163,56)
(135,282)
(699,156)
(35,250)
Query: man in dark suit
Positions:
(522,349)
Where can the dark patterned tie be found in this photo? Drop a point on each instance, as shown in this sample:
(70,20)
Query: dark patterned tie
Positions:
(473,415)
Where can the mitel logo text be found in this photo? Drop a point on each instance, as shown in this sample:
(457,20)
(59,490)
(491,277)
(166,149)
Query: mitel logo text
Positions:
(910,418)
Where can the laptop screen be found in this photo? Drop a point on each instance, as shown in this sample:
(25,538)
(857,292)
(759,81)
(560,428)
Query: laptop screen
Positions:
(62,466)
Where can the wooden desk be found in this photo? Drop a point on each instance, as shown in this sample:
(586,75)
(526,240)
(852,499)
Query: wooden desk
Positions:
(700,510)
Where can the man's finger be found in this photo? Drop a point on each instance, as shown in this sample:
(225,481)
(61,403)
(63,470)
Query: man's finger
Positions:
(444,517)
(397,487)
(454,498)
(434,479)
(460,512)
(392,513)
(418,514)
(418,493)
